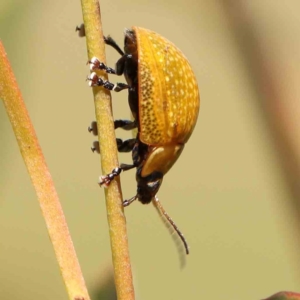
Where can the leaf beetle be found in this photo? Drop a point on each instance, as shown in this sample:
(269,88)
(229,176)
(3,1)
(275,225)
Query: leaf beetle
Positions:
(164,99)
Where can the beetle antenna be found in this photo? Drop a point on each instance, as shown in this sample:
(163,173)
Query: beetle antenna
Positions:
(162,212)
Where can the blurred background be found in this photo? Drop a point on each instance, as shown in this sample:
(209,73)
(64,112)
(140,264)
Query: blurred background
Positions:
(235,190)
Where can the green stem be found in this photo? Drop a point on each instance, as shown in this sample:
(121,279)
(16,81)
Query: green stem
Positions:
(109,156)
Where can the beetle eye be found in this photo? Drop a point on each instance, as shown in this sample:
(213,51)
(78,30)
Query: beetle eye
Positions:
(154,185)
(150,187)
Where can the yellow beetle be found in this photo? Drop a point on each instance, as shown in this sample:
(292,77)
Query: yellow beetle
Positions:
(164,101)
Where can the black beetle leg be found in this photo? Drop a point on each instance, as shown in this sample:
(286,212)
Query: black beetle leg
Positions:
(124,124)
(95,80)
(123,146)
(120,65)
(126,167)
(111,42)
(93,128)
(108,40)
(107,179)
(81,30)
(129,201)
(95,64)
(96,147)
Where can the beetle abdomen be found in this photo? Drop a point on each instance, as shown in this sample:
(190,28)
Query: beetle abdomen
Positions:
(168,91)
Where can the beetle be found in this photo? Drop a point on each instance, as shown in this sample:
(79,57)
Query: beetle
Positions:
(164,99)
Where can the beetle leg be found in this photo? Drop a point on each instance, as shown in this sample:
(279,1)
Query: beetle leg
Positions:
(125,124)
(129,201)
(107,40)
(126,167)
(120,65)
(93,128)
(96,147)
(81,30)
(111,42)
(123,146)
(95,80)
(107,179)
(96,64)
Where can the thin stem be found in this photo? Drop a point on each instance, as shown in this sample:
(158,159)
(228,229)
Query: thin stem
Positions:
(109,158)
(41,180)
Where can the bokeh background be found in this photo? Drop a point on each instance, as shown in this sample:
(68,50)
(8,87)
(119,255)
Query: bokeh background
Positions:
(234,191)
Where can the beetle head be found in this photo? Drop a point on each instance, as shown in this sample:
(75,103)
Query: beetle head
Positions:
(147,187)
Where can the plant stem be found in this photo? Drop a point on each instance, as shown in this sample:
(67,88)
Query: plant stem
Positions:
(109,158)
(41,180)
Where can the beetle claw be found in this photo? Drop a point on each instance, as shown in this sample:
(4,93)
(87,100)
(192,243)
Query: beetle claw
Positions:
(93,128)
(96,64)
(81,30)
(95,147)
(93,79)
(105,180)
(129,201)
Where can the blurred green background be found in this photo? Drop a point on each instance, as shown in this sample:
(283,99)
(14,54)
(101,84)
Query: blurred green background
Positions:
(234,191)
